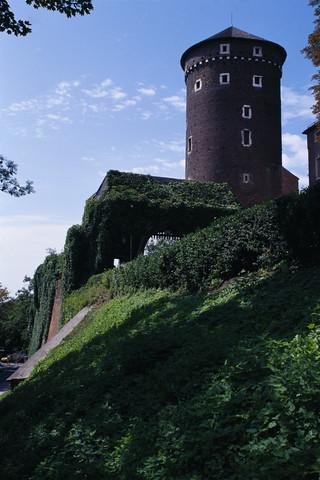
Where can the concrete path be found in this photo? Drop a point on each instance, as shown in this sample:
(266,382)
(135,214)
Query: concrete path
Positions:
(25,370)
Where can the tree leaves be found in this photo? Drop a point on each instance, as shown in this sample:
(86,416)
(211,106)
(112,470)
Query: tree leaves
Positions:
(70,8)
(8,180)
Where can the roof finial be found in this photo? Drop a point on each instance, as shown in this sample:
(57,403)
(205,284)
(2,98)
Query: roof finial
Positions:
(231,15)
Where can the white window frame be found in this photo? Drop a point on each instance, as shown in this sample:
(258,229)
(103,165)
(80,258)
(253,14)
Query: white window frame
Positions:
(257,51)
(317,167)
(196,89)
(246,178)
(243,132)
(257,81)
(221,78)
(224,49)
(189,146)
(244,107)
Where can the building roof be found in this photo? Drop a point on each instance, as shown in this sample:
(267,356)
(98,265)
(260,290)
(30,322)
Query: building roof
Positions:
(287,172)
(233,32)
(228,33)
(311,127)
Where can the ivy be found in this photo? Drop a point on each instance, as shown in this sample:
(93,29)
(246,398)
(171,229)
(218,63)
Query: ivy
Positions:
(129,209)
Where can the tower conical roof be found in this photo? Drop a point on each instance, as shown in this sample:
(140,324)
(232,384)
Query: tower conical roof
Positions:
(231,32)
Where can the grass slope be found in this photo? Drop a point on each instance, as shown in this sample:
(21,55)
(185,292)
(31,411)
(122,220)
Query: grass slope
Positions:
(161,386)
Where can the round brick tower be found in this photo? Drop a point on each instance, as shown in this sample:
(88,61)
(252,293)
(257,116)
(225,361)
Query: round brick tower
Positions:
(234,113)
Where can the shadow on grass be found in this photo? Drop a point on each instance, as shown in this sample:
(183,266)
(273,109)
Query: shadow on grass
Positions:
(67,421)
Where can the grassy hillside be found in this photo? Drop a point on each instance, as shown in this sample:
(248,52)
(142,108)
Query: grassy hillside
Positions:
(161,386)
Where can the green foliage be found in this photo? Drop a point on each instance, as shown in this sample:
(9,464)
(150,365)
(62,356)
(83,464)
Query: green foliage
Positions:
(8,180)
(130,208)
(44,283)
(244,242)
(159,385)
(257,237)
(70,8)
(95,292)
(16,314)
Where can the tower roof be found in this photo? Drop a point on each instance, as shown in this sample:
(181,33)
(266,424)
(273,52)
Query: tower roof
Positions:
(228,33)
(233,32)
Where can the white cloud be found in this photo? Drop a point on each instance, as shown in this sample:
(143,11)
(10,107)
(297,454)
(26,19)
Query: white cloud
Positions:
(124,104)
(177,146)
(177,101)
(117,93)
(101,90)
(295,104)
(148,92)
(146,115)
(147,170)
(295,156)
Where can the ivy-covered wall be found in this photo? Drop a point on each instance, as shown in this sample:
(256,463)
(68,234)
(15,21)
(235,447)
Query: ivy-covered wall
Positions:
(44,282)
(117,223)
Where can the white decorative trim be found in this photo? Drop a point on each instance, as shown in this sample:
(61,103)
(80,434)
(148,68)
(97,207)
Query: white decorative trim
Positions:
(224,49)
(257,81)
(197,85)
(257,51)
(246,142)
(246,178)
(224,78)
(246,108)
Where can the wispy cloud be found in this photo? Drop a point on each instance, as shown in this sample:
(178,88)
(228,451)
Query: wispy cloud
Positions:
(148,92)
(295,104)
(177,101)
(295,155)
(177,146)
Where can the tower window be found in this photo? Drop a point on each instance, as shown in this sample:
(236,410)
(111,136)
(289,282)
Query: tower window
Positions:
(316,136)
(257,51)
(246,177)
(224,78)
(246,138)
(317,169)
(246,111)
(257,81)
(224,48)
(189,144)
(198,85)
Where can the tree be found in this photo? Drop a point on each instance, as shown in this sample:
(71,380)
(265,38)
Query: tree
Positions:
(70,8)
(8,180)
(4,294)
(312,51)
(16,316)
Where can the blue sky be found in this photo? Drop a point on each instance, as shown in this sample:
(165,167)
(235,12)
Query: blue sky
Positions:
(82,96)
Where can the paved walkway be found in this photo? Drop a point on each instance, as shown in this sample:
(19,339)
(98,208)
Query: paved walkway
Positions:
(25,370)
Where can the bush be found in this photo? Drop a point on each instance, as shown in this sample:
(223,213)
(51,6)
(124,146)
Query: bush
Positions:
(260,236)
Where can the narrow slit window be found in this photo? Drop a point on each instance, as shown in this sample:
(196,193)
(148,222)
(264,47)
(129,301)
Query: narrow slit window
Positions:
(198,85)
(246,111)
(224,48)
(316,136)
(246,177)
(189,144)
(224,78)
(246,137)
(257,51)
(257,81)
